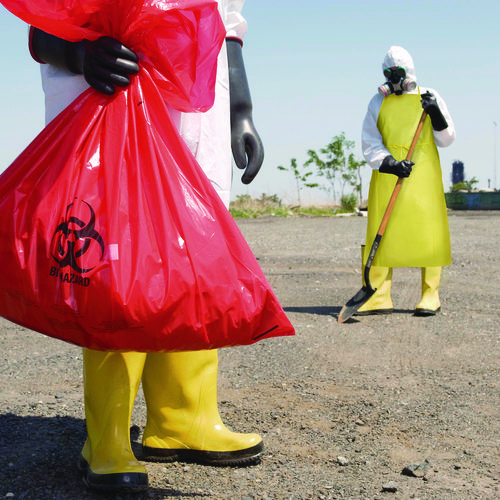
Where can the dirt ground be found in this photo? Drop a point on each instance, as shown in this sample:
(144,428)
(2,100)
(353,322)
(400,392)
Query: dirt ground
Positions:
(388,407)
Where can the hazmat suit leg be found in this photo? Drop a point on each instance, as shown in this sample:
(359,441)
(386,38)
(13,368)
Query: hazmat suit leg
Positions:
(111,381)
(430,304)
(381,279)
(183,422)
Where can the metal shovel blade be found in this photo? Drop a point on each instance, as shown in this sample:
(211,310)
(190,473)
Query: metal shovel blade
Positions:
(355,303)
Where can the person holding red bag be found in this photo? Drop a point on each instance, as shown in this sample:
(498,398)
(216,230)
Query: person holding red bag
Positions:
(180,388)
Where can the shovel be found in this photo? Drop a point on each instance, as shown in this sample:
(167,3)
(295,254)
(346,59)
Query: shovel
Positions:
(367,291)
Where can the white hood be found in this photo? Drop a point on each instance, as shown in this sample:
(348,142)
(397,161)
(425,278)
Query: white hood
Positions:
(397,56)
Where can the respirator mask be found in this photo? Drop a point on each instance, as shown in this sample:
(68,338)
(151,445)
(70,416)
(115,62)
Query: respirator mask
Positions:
(397,82)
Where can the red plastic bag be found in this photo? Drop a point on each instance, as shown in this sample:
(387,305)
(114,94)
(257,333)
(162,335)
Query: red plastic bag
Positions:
(112,236)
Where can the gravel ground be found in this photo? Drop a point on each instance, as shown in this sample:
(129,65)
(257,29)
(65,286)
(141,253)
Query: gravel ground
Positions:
(390,407)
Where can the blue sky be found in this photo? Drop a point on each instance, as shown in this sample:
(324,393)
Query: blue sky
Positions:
(313,67)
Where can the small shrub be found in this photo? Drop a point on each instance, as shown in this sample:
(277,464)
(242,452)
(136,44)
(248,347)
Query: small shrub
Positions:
(269,199)
(349,202)
(247,207)
(469,185)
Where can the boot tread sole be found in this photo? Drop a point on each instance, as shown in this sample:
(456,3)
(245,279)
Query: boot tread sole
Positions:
(247,456)
(419,311)
(374,312)
(121,482)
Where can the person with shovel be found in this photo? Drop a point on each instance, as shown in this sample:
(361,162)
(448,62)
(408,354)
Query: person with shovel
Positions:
(180,388)
(417,233)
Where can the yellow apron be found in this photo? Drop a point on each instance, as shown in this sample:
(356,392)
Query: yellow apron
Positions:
(417,234)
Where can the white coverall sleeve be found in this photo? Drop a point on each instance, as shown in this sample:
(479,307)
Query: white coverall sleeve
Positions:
(372,143)
(445,137)
(236,26)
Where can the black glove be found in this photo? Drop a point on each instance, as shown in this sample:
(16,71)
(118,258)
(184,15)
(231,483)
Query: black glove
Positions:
(105,63)
(248,151)
(400,168)
(431,107)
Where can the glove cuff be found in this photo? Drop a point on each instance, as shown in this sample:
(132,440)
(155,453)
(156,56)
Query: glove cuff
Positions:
(438,121)
(32,46)
(387,165)
(236,39)
(47,48)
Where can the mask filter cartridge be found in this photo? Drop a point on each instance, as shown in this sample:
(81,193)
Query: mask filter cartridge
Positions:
(397,82)
(386,89)
(408,85)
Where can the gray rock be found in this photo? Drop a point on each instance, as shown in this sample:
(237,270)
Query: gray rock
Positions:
(419,469)
(390,487)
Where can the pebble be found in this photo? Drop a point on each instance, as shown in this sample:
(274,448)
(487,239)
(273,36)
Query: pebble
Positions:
(390,487)
(418,469)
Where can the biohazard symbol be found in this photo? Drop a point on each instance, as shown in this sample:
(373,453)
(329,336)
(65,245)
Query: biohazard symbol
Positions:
(76,243)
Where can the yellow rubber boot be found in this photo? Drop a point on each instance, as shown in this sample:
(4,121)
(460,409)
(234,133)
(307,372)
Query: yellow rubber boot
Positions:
(430,304)
(111,381)
(183,421)
(381,280)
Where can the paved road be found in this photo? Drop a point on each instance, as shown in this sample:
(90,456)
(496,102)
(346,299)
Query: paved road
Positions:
(343,408)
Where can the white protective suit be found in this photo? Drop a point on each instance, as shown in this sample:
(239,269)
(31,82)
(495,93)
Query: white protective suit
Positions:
(373,147)
(208,135)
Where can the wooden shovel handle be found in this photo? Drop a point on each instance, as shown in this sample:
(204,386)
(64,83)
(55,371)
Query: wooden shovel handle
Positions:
(397,187)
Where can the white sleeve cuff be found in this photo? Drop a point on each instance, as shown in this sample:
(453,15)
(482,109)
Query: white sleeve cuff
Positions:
(236,26)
